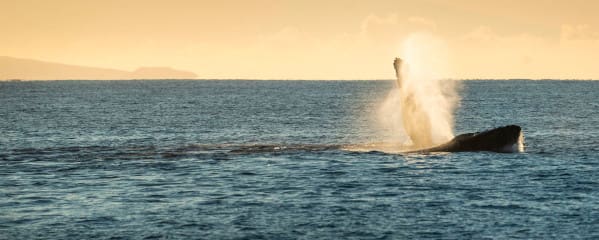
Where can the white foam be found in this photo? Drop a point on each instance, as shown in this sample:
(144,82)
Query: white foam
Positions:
(517,146)
(521,142)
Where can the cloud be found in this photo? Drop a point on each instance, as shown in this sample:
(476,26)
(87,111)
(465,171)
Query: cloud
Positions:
(481,33)
(423,23)
(286,35)
(392,28)
(365,51)
(360,54)
(485,53)
(373,22)
(379,29)
(578,32)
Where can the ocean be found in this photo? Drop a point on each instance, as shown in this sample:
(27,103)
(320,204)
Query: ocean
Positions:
(250,159)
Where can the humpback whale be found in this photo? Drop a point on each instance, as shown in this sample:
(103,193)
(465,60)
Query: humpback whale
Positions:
(506,139)
(417,124)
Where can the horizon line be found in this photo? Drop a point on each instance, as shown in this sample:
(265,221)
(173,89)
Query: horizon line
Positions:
(276,79)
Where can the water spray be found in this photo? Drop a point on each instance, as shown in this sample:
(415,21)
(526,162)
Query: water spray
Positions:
(421,106)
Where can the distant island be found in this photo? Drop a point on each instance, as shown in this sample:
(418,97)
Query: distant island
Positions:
(15,69)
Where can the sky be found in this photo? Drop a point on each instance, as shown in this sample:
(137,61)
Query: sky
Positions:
(308,39)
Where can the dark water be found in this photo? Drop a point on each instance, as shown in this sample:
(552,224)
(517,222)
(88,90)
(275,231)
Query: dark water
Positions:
(261,160)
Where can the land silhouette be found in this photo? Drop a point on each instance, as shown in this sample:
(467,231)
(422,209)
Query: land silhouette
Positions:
(28,69)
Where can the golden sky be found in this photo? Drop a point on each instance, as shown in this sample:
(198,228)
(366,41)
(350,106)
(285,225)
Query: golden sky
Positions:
(307,39)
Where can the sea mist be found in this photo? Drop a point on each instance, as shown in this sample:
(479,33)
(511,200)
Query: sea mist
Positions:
(419,110)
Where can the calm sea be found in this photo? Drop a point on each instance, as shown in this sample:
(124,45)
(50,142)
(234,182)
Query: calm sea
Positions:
(260,160)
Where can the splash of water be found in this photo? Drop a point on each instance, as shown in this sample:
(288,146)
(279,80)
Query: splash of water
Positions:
(419,110)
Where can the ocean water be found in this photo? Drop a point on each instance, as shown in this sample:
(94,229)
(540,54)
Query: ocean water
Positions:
(262,160)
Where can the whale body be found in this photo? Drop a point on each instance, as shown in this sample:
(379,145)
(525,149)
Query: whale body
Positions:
(417,125)
(505,139)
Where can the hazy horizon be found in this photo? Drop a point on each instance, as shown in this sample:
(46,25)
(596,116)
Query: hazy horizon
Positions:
(11,73)
(308,40)
(176,74)
(30,69)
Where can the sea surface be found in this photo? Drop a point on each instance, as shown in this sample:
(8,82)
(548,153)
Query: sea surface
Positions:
(262,160)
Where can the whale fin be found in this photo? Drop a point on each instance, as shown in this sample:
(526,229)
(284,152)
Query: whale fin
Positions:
(397,65)
(415,120)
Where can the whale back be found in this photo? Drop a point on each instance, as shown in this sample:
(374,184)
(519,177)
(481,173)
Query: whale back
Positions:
(501,139)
